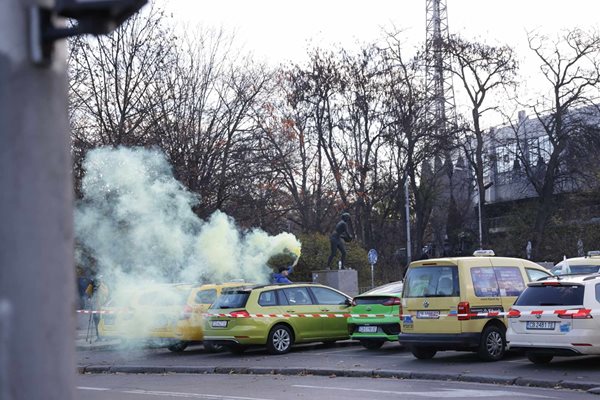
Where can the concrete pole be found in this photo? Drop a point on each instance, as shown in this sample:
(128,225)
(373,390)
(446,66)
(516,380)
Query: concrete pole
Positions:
(407,205)
(37,282)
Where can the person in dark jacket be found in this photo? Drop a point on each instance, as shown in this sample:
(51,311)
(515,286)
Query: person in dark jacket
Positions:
(341,233)
(282,276)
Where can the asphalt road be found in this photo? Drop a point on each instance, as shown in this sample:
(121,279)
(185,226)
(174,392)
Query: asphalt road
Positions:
(265,387)
(349,359)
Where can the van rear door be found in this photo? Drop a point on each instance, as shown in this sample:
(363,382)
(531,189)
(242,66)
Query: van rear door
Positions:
(430,297)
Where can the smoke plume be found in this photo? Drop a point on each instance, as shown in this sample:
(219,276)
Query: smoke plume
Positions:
(135,221)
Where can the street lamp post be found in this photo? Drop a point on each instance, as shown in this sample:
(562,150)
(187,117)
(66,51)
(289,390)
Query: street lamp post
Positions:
(407,205)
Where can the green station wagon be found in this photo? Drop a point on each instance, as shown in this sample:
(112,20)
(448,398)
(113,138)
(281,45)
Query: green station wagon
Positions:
(277,316)
(383,301)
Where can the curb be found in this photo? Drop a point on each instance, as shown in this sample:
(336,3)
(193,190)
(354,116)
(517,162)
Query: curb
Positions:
(593,388)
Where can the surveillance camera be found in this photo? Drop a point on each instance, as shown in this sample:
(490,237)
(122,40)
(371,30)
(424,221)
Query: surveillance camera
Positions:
(98,16)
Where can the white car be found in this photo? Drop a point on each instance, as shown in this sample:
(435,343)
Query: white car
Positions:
(556,316)
(578,265)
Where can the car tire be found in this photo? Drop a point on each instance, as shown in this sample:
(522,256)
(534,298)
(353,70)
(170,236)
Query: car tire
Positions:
(236,348)
(539,358)
(423,353)
(280,340)
(212,347)
(372,344)
(493,343)
(178,347)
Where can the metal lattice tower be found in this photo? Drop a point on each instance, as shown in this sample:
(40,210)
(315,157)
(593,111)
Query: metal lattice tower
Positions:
(440,92)
(441,114)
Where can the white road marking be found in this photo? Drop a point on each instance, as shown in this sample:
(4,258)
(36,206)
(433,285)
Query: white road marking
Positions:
(446,393)
(190,395)
(91,388)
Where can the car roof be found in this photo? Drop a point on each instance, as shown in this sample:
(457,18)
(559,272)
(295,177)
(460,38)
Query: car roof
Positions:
(456,260)
(581,261)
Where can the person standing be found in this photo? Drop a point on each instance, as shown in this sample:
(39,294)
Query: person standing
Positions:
(341,233)
(97,293)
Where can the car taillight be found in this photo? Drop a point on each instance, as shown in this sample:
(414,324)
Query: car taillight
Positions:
(400,310)
(186,313)
(463,311)
(240,314)
(392,301)
(583,313)
(512,313)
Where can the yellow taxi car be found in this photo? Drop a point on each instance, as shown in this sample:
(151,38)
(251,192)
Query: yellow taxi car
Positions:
(163,314)
(460,303)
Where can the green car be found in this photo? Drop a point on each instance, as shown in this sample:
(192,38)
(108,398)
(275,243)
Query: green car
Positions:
(373,332)
(277,316)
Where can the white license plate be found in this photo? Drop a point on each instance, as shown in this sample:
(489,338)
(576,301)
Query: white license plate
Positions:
(427,314)
(218,324)
(542,325)
(367,329)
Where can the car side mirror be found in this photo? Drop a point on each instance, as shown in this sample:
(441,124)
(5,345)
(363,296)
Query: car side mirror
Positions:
(348,302)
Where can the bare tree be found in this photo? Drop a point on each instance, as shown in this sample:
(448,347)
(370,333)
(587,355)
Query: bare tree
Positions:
(482,70)
(566,118)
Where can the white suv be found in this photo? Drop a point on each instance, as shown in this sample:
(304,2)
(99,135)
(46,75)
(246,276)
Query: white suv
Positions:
(556,316)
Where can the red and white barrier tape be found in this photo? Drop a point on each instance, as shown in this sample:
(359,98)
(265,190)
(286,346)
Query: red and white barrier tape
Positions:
(581,313)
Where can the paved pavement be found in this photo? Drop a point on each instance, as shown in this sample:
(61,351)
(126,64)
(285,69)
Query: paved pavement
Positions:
(148,362)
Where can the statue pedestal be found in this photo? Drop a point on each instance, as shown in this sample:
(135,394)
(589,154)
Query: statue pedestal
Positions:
(344,280)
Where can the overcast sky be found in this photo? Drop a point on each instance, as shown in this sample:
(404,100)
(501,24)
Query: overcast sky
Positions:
(280,30)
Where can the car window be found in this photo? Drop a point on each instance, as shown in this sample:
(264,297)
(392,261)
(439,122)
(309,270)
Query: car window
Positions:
(497,281)
(435,281)
(551,295)
(297,296)
(267,299)
(206,296)
(232,299)
(510,280)
(598,292)
(328,296)
(535,274)
(394,287)
(576,269)
(485,283)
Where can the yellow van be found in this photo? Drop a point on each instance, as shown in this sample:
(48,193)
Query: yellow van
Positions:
(441,298)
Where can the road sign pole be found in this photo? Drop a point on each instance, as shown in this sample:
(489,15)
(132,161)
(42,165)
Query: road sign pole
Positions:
(372,279)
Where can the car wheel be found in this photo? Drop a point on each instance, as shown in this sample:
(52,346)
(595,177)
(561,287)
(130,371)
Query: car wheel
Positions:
(280,340)
(236,348)
(423,353)
(493,344)
(212,347)
(372,344)
(178,347)
(539,358)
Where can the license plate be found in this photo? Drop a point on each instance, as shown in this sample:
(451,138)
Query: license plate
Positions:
(543,325)
(427,314)
(367,329)
(218,324)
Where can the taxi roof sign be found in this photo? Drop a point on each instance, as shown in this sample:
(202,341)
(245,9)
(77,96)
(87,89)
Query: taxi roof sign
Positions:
(484,253)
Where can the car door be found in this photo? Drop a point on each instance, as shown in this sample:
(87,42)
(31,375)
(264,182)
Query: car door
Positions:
(332,302)
(297,301)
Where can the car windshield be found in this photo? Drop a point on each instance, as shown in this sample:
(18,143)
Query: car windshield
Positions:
(394,287)
(551,295)
(231,299)
(434,281)
(575,269)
